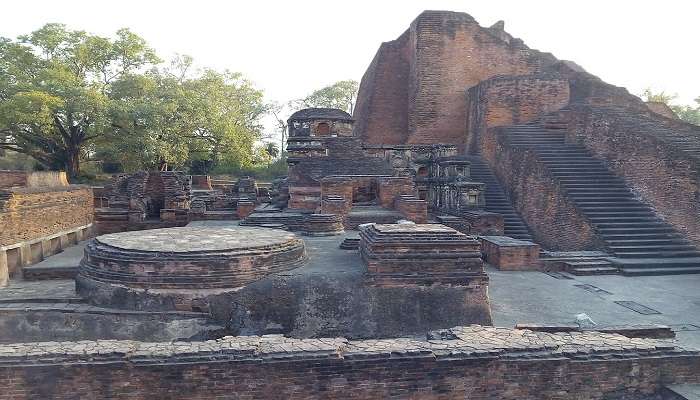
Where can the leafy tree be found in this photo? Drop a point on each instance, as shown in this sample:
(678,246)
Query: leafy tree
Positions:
(341,95)
(660,97)
(687,113)
(167,115)
(272,150)
(54,90)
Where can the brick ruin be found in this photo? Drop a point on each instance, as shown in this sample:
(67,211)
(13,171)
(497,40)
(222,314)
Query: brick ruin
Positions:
(161,199)
(568,160)
(178,269)
(462,362)
(467,151)
(40,215)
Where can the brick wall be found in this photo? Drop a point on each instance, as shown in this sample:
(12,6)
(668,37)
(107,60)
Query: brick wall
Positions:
(381,110)
(278,368)
(413,209)
(27,214)
(33,179)
(447,53)
(392,187)
(552,218)
(658,157)
(512,100)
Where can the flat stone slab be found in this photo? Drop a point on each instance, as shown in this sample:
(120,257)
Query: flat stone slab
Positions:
(413,228)
(507,241)
(196,239)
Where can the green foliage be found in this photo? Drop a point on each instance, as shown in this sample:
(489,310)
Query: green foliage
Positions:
(660,97)
(264,172)
(54,90)
(687,113)
(165,115)
(272,150)
(341,95)
(67,96)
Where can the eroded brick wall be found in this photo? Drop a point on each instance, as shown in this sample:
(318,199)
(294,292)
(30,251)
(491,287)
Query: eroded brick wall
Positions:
(657,156)
(27,214)
(390,188)
(447,53)
(553,219)
(512,100)
(383,378)
(381,110)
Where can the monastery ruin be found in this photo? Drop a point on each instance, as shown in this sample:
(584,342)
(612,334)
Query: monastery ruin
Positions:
(445,241)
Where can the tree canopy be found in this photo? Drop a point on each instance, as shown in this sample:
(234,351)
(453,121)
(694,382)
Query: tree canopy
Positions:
(66,96)
(341,95)
(687,113)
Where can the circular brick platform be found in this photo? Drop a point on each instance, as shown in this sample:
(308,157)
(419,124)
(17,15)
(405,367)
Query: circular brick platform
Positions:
(178,268)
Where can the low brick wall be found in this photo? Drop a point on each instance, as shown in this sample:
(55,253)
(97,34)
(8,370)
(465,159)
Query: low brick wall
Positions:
(392,187)
(510,254)
(32,179)
(27,214)
(483,222)
(467,362)
(413,208)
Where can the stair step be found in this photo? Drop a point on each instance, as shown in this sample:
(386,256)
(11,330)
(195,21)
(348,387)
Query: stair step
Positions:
(663,270)
(659,254)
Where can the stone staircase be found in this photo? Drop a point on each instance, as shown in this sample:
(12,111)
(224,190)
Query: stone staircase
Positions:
(643,244)
(498,202)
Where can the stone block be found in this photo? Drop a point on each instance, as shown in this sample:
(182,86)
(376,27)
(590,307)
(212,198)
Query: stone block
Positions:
(506,253)
(421,254)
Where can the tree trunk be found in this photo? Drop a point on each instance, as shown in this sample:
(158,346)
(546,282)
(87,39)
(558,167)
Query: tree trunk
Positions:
(72,163)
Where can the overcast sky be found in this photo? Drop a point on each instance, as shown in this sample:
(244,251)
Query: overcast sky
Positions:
(288,48)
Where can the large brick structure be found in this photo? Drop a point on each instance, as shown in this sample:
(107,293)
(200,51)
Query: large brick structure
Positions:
(585,164)
(413,91)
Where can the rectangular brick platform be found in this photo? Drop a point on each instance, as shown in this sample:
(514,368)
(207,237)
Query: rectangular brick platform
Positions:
(397,254)
(506,253)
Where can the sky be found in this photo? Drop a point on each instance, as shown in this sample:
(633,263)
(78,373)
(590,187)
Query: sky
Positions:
(290,48)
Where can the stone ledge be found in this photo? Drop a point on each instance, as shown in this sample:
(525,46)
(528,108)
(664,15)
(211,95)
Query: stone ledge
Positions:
(469,342)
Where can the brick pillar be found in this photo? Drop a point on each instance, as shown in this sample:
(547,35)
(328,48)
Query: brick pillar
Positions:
(245,208)
(4,269)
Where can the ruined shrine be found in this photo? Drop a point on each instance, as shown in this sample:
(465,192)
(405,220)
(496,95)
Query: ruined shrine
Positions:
(449,239)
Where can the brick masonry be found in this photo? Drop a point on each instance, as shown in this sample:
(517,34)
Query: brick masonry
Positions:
(465,362)
(658,157)
(413,91)
(553,218)
(27,213)
(510,254)
(511,100)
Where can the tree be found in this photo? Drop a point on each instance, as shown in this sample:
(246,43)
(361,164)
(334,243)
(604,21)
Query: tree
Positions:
(174,116)
(341,95)
(54,90)
(272,150)
(279,113)
(687,113)
(661,97)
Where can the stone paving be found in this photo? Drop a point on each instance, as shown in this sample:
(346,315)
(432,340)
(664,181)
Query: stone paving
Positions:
(459,342)
(26,291)
(197,239)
